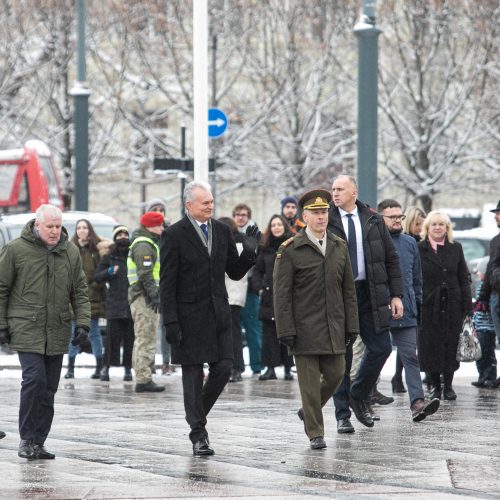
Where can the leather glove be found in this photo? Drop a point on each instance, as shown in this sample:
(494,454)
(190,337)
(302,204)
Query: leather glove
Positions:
(173,333)
(155,305)
(288,341)
(350,338)
(251,239)
(4,336)
(481,306)
(81,336)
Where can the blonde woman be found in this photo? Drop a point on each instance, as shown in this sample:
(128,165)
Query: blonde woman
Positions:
(414,222)
(446,301)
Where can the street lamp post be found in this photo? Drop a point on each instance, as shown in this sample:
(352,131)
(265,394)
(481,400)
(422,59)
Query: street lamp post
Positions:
(81,94)
(367,34)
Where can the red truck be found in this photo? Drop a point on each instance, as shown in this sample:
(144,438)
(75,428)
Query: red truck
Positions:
(28,179)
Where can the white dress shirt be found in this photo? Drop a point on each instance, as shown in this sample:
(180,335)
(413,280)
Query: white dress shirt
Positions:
(359,239)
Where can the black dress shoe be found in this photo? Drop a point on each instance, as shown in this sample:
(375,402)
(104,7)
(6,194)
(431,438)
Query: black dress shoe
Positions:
(268,375)
(2,434)
(317,443)
(361,411)
(397,386)
(149,387)
(492,384)
(288,376)
(41,453)
(201,448)
(25,449)
(478,383)
(104,375)
(344,426)
(380,399)
(421,409)
(449,394)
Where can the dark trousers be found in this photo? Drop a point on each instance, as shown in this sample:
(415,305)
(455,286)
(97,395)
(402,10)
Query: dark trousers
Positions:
(41,376)
(238,363)
(487,365)
(200,397)
(378,348)
(273,352)
(119,331)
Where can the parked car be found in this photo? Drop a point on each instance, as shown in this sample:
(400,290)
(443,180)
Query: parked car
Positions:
(12,225)
(476,245)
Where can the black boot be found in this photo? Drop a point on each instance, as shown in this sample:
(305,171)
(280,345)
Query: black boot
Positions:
(269,375)
(435,390)
(104,375)
(71,368)
(128,374)
(397,385)
(397,380)
(98,366)
(288,373)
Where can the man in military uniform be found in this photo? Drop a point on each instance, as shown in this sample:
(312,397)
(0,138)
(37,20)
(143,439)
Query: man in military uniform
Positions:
(143,269)
(316,309)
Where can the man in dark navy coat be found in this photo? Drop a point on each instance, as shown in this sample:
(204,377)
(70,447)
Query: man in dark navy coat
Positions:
(196,252)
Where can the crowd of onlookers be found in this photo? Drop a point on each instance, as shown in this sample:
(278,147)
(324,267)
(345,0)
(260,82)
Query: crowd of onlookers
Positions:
(424,273)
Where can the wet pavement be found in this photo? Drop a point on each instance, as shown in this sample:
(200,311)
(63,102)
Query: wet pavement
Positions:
(112,443)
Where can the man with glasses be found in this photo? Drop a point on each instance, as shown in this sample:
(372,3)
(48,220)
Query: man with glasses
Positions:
(404,330)
(242,215)
(379,290)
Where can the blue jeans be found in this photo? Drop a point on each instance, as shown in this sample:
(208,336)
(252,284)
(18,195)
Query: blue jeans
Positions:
(95,340)
(253,328)
(377,349)
(40,375)
(405,340)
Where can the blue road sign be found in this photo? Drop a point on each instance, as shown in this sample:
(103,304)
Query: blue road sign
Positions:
(217,122)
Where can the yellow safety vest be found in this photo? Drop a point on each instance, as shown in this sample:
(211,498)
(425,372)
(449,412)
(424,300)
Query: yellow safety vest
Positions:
(132,267)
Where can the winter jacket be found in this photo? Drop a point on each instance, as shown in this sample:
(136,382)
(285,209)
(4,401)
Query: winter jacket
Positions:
(411,269)
(97,291)
(383,273)
(314,295)
(446,300)
(117,306)
(263,276)
(37,286)
(145,256)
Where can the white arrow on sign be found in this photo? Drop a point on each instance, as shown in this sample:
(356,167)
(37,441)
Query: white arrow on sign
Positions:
(218,122)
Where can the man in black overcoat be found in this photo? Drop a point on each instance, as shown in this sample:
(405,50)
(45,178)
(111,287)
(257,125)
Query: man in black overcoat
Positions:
(196,252)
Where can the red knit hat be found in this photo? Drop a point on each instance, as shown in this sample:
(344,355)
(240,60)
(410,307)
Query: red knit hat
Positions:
(152,219)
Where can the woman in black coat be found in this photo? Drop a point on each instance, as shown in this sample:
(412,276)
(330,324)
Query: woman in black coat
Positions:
(446,302)
(112,270)
(273,353)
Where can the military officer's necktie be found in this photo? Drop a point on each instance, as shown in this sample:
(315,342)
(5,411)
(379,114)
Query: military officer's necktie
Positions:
(204,228)
(352,245)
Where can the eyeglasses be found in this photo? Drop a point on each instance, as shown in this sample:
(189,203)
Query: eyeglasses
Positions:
(395,217)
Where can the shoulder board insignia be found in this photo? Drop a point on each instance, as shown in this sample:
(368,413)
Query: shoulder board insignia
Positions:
(283,246)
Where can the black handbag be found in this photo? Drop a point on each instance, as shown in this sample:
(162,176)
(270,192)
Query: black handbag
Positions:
(469,348)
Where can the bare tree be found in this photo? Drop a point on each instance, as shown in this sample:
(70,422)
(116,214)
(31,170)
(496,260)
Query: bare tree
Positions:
(435,87)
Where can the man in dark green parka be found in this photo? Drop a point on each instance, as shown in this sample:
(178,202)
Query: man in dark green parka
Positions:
(315,309)
(41,276)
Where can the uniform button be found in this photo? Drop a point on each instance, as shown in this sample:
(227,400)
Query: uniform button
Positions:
(445,269)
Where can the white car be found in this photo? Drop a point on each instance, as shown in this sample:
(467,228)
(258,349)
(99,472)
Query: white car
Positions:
(476,245)
(12,225)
